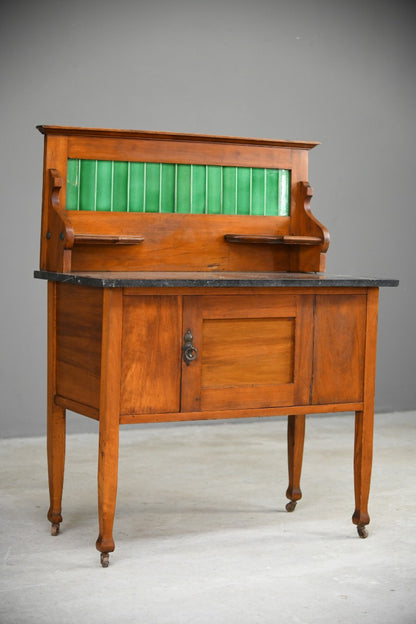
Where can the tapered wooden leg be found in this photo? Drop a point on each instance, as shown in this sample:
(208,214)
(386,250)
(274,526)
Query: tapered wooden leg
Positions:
(56,423)
(363,454)
(364,421)
(109,420)
(56,464)
(295,441)
(107,486)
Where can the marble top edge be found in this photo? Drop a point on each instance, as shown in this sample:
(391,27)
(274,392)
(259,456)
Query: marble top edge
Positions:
(210,279)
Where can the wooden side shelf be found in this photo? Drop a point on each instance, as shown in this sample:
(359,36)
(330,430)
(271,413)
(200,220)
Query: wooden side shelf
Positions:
(107,239)
(273,240)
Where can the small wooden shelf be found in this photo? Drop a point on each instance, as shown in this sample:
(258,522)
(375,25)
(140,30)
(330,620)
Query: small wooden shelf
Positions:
(107,239)
(272,240)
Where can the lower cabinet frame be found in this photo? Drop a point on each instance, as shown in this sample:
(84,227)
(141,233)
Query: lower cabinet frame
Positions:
(327,376)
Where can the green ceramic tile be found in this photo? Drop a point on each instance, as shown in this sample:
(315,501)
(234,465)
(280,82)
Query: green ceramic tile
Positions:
(198,184)
(72,185)
(152,181)
(284,193)
(272,179)
(183,190)
(120,187)
(87,185)
(136,187)
(243,191)
(214,187)
(103,197)
(257,194)
(229,187)
(167,190)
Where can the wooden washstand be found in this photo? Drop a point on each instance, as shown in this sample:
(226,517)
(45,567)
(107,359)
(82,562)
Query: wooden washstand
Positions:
(186,281)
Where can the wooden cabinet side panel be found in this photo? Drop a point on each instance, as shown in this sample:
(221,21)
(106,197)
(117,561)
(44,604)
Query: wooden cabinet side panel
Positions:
(339,348)
(151,354)
(78,343)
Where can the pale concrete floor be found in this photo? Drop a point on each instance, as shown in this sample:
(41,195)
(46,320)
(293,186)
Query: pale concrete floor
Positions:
(201,531)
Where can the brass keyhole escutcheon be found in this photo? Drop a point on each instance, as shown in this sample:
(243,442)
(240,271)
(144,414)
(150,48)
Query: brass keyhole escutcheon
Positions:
(190,352)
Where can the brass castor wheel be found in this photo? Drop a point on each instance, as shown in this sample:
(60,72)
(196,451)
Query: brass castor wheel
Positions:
(362,531)
(291,506)
(105,559)
(55,528)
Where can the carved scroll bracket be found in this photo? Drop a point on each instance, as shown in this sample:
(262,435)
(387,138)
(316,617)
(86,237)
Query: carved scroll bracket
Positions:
(59,233)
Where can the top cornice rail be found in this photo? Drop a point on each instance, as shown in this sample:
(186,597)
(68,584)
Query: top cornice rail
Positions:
(172,136)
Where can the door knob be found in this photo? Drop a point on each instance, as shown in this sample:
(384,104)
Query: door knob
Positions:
(189,351)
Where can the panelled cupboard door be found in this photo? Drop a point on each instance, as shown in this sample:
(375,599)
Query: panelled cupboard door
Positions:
(252,351)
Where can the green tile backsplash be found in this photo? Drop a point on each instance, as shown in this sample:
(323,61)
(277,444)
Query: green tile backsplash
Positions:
(114,186)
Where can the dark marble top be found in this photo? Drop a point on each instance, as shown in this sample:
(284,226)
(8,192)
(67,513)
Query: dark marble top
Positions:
(193,279)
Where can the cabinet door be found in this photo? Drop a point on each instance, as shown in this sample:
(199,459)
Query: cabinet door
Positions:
(253,351)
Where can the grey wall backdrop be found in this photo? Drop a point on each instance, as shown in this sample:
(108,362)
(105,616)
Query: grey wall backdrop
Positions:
(338,72)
